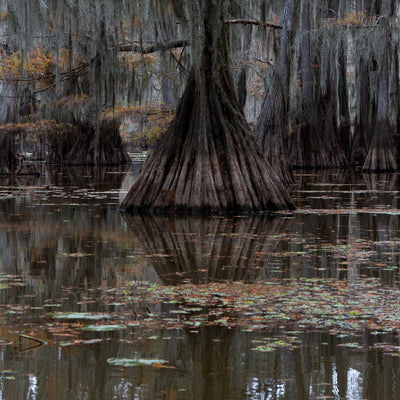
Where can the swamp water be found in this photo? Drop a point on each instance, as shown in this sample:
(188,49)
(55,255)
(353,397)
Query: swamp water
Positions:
(95,304)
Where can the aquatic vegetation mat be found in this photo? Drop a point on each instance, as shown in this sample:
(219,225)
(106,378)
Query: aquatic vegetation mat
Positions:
(333,306)
(301,303)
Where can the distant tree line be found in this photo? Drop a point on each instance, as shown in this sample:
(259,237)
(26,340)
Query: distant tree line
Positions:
(319,81)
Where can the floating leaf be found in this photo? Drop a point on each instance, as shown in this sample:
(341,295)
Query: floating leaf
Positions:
(4,285)
(131,362)
(103,328)
(264,348)
(352,345)
(80,315)
(80,342)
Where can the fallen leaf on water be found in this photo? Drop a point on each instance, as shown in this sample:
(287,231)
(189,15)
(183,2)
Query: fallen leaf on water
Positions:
(132,362)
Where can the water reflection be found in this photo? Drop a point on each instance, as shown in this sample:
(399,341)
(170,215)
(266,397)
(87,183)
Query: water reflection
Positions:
(211,364)
(203,250)
(64,230)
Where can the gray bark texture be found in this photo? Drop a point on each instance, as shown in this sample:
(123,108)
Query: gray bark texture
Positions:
(273,123)
(307,148)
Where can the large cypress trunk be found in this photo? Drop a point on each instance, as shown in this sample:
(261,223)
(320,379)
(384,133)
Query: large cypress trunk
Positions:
(98,145)
(381,154)
(208,160)
(315,142)
(307,147)
(272,127)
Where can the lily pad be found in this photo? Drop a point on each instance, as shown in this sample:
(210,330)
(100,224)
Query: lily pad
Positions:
(132,362)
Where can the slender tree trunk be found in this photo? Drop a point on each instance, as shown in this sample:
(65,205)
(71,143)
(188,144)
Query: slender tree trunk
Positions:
(8,102)
(272,128)
(365,119)
(328,119)
(208,160)
(8,161)
(345,136)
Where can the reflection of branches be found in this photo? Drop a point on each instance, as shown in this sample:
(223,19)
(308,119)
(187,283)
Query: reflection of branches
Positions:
(207,249)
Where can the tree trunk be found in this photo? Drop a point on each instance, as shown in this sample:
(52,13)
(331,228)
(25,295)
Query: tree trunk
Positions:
(272,127)
(345,137)
(86,145)
(307,147)
(242,87)
(365,119)
(381,155)
(8,102)
(7,153)
(394,89)
(328,121)
(208,161)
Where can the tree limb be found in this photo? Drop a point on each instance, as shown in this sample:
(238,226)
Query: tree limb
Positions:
(154,47)
(252,22)
(182,43)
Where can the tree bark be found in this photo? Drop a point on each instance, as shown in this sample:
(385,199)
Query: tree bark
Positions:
(307,147)
(101,145)
(328,121)
(208,160)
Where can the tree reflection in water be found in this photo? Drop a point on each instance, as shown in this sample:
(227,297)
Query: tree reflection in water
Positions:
(204,250)
(212,364)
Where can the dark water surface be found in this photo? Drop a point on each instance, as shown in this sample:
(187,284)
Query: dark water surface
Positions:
(64,246)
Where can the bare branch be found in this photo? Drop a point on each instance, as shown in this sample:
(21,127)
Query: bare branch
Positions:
(251,22)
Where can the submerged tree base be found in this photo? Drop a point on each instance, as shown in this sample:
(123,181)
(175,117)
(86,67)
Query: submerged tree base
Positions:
(88,145)
(208,161)
(65,144)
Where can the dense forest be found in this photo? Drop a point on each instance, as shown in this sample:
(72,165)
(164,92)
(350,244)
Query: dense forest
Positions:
(256,89)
